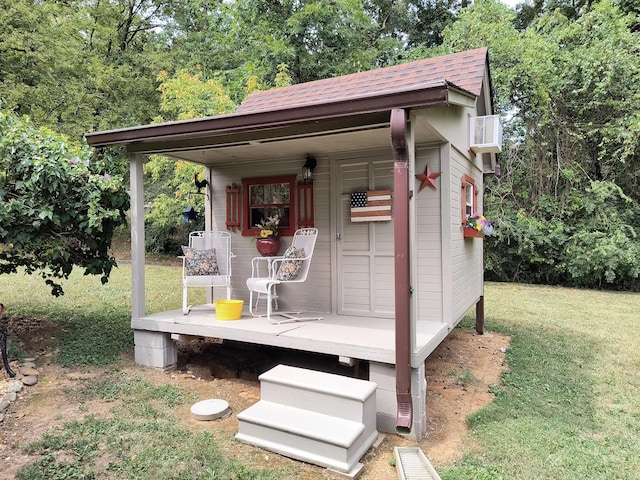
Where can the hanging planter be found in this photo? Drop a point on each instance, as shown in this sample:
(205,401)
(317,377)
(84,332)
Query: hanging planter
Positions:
(477,226)
(472,233)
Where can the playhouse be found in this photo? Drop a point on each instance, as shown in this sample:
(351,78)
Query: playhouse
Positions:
(387,165)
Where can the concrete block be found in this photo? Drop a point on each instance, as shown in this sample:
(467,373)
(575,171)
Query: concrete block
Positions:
(164,358)
(144,338)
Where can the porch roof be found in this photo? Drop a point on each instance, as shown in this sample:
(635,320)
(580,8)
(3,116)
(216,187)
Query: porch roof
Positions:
(349,103)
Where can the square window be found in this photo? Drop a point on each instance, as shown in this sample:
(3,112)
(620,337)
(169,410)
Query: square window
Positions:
(268,197)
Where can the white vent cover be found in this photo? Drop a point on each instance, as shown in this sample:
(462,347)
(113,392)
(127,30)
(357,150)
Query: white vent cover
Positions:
(486,134)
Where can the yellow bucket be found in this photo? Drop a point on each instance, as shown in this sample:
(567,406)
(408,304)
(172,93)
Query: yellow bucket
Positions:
(229,309)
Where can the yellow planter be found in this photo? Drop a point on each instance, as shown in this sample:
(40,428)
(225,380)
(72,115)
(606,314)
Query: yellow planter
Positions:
(229,309)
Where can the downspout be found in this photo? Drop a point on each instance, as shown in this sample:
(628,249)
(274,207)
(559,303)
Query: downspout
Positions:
(404,418)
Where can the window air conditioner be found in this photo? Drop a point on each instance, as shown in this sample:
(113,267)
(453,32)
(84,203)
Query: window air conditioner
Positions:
(486,134)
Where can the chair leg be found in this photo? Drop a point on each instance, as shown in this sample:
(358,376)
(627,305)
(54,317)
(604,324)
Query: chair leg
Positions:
(251,303)
(185,308)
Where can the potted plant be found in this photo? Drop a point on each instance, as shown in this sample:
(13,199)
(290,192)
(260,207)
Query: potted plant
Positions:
(267,239)
(477,226)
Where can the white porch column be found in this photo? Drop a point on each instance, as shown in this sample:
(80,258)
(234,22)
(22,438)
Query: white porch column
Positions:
(137,236)
(153,349)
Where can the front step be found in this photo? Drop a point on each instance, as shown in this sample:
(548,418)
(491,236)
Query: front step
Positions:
(316,417)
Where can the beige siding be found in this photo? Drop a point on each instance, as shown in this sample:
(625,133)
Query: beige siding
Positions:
(428,264)
(315,293)
(466,253)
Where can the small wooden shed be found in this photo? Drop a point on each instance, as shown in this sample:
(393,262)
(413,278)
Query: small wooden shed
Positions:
(389,286)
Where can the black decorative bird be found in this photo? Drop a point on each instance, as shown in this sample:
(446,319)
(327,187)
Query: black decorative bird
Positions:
(200,184)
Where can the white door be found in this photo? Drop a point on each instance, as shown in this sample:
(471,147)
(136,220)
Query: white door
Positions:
(365,249)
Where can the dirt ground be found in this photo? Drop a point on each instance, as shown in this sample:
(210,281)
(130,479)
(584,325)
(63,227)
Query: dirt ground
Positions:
(459,375)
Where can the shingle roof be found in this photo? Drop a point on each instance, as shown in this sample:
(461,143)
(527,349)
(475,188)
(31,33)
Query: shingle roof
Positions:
(465,70)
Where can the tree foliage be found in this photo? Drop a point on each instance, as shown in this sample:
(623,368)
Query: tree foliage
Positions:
(59,204)
(566,206)
(563,71)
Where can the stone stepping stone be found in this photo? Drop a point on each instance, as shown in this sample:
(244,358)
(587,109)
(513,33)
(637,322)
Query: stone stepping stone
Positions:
(210,409)
(30,380)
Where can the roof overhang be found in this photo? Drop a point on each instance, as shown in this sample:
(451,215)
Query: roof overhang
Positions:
(238,130)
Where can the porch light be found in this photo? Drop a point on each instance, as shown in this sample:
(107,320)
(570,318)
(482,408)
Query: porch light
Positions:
(308,168)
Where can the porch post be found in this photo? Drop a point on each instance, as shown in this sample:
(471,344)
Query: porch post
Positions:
(137,236)
(480,315)
(152,349)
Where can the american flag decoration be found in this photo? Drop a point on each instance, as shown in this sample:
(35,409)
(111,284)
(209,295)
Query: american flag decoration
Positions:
(371,206)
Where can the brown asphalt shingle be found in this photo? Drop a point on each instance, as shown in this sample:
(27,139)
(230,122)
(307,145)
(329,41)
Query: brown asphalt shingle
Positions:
(465,70)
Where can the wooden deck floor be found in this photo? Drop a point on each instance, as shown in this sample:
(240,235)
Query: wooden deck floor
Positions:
(364,338)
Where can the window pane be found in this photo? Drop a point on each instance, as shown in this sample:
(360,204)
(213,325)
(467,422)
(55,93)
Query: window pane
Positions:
(279,193)
(258,215)
(257,194)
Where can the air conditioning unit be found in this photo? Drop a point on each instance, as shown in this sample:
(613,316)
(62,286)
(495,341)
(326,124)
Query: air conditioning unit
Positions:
(485,134)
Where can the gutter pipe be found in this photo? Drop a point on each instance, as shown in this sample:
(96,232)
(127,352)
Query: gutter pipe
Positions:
(404,418)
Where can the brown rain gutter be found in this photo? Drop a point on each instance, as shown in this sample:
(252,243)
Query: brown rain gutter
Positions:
(404,418)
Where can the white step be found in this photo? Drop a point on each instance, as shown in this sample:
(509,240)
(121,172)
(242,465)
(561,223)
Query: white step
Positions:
(316,417)
(304,435)
(326,393)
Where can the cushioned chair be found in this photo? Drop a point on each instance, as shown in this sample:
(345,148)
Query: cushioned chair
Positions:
(206,262)
(292,267)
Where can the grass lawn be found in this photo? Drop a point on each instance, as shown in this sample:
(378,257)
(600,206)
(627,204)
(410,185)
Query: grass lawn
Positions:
(567,409)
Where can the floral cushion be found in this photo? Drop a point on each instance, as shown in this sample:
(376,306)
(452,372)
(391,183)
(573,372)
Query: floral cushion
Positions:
(289,268)
(201,262)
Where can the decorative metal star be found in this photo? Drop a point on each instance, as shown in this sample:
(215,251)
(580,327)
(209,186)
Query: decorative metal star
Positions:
(428,178)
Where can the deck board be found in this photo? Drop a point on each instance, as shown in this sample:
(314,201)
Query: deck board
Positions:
(363,338)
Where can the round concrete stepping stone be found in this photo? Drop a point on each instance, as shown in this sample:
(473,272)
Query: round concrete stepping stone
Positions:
(4,405)
(30,380)
(28,365)
(210,409)
(29,372)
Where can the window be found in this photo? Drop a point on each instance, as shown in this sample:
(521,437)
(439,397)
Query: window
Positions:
(469,198)
(268,197)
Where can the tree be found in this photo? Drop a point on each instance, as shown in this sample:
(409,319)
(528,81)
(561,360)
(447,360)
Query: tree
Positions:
(79,66)
(59,204)
(566,87)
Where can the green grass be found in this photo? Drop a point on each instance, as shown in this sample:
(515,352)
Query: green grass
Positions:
(567,409)
(94,319)
(139,439)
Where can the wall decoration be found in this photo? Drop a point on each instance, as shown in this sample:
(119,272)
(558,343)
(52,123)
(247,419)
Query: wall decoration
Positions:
(304,207)
(233,207)
(428,178)
(371,206)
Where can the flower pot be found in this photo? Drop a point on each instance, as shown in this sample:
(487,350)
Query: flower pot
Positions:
(268,247)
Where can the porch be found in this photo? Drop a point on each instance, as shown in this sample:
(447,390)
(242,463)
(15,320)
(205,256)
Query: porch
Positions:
(356,337)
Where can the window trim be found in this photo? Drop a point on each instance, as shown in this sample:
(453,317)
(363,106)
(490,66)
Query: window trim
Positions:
(250,230)
(467,183)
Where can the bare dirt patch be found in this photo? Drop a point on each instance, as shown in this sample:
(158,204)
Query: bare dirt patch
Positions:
(459,373)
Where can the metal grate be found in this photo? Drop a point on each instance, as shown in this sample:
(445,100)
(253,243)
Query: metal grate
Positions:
(412,464)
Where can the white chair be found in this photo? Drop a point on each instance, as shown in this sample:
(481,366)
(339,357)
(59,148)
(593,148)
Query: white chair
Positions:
(292,267)
(206,263)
